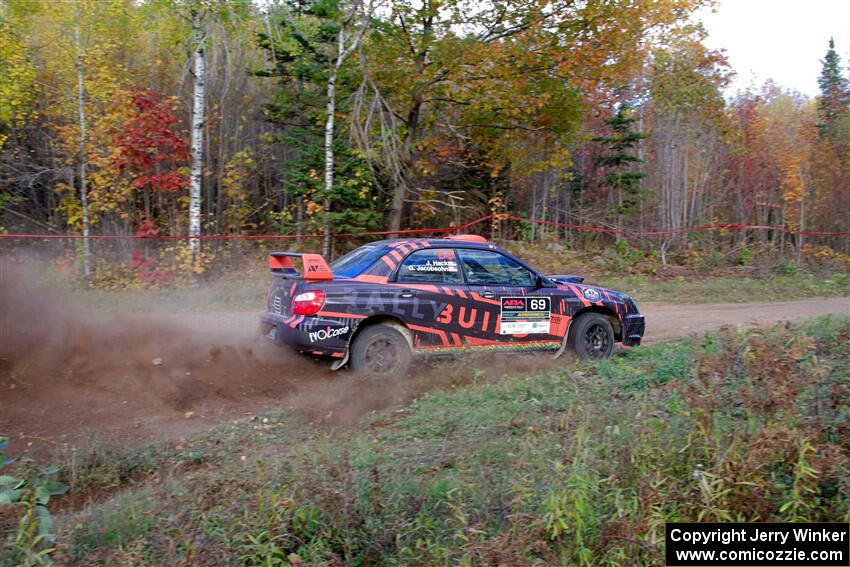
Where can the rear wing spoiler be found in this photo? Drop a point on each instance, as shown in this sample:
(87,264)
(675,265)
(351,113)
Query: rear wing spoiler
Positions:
(314,266)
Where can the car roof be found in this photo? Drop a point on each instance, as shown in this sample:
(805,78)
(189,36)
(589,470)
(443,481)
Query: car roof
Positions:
(455,242)
(442,242)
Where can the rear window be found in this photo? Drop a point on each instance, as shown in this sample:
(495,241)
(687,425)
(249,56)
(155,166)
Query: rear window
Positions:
(357,261)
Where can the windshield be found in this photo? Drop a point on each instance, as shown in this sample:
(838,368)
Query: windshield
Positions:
(355,262)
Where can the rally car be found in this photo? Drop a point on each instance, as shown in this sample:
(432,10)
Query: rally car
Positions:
(377,306)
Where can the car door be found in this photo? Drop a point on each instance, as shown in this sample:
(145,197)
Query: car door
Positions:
(507,295)
(432,294)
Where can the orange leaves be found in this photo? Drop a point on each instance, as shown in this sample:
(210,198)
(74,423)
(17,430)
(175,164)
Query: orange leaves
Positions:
(781,163)
(792,181)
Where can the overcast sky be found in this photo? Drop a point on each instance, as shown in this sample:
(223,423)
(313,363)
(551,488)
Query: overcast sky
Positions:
(783,40)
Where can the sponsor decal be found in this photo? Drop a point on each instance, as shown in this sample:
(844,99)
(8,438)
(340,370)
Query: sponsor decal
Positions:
(525,315)
(592,294)
(328,333)
(434,266)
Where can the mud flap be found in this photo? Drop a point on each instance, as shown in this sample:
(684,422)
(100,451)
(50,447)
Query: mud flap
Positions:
(340,362)
(563,346)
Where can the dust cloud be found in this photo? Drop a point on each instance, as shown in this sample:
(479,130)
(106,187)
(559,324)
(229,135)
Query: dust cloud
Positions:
(66,371)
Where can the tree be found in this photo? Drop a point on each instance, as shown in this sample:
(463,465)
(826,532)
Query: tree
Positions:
(832,149)
(91,46)
(307,51)
(834,100)
(81,112)
(299,54)
(199,35)
(688,124)
(436,69)
(150,149)
(620,161)
(436,56)
(353,25)
(17,74)
(415,114)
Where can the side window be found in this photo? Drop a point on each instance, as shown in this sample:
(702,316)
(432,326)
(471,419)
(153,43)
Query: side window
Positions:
(430,266)
(483,267)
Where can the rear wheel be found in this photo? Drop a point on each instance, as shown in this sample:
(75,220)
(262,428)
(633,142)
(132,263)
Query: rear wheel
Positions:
(592,337)
(381,351)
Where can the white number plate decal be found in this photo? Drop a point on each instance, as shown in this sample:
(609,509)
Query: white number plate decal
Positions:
(525,315)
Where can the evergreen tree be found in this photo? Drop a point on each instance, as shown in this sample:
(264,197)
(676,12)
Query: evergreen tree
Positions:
(300,50)
(834,100)
(297,50)
(619,161)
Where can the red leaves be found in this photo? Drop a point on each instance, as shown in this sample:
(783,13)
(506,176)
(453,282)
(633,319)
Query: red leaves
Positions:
(171,181)
(146,228)
(150,146)
(147,270)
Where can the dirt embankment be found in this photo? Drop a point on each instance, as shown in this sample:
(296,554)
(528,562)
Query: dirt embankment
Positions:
(65,371)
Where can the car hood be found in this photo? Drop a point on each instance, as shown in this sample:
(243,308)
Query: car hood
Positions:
(594,290)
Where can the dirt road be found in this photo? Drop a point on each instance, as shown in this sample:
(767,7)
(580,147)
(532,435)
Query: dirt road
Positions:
(66,372)
(666,321)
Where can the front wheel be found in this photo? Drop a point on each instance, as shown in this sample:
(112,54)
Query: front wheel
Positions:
(592,337)
(381,351)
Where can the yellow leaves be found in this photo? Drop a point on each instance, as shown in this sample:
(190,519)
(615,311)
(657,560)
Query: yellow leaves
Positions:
(178,258)
(792,183)
(313,208)
(105,42)
(16,78)
(238,173)
(69,205)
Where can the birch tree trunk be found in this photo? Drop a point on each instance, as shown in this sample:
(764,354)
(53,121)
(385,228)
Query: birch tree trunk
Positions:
(81,109)
(343,51)
(329,145)
(197,139)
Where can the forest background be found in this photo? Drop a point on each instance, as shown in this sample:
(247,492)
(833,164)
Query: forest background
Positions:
(321,120)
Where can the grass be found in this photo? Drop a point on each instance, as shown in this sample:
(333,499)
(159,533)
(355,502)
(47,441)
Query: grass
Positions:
(578,466)
(729,289)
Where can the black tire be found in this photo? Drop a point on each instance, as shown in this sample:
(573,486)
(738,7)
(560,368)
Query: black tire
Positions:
(592,337)
(381,351)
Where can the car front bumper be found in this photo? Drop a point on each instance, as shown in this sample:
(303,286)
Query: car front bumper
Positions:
(634,326)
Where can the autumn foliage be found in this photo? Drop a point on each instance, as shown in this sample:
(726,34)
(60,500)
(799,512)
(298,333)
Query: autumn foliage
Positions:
(445,110)
(151,151)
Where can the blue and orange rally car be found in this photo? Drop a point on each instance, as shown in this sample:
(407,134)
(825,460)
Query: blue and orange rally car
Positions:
(378,305)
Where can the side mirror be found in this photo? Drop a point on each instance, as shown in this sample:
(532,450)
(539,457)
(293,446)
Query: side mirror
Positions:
(538,282)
